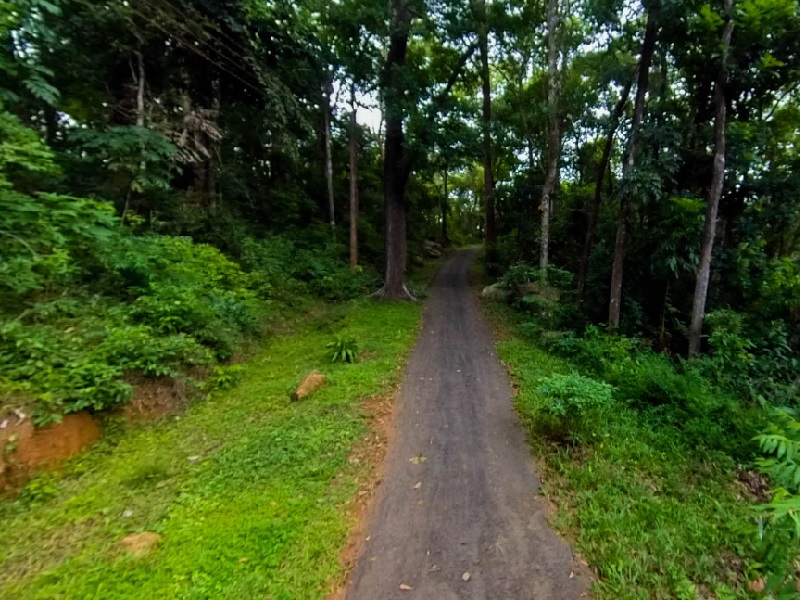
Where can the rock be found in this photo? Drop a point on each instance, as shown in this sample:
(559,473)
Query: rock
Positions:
(432,249)
(141,544)
(312,382)
(496,293)
(546,292)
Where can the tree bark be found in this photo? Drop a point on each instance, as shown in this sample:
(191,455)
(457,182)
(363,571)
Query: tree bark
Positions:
(594,206)
(213,148)
(553,133)
(629,161)
(140,81)
(715,193)
(445,208)
(395,163)
(353,181)
(327,92)
(486,88)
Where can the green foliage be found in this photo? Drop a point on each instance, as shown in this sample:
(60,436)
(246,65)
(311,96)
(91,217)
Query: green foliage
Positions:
(284,269)
(780,532)
(343,350)
(39,490)
(637,479)
(571,400)
(673,392)
(521,274)
(250,475)
(142,157)
(756,362)
(224,377)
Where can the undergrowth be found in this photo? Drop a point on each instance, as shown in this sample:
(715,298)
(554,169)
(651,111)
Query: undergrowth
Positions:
(87,301)
(248,490)
(644,454)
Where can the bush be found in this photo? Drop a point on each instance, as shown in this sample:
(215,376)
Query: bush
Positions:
(674,393)
(756,362)
(568,401)
(524,273)
(283,270)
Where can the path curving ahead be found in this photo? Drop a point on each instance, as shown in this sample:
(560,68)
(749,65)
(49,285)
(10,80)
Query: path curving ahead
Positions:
(459,493)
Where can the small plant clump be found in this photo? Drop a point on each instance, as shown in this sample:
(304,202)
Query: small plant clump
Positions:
(343,350)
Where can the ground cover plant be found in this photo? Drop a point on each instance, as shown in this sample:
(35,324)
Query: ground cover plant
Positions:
(653,462)
(247,490)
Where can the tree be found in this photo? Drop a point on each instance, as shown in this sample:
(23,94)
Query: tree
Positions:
(553,132)
(396,169)
(353,134)
(717,182)
(482,28)
(602,168)
(629,161)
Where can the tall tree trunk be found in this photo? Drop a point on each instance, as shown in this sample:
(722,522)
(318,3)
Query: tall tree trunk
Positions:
(715,193)
(395,163)
(213,148)
(594,206)
(486,87)
(553,133)
(629,161)
(140,81)
(445,209)
(353,180)
(327,92)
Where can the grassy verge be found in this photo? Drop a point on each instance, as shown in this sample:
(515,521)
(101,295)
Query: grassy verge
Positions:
(247,490)
(654,509)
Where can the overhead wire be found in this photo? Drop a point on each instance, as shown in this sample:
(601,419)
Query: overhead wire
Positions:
(198,32)
(193,47)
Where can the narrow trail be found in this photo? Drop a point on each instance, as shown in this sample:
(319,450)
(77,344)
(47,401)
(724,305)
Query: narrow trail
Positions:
(459,493)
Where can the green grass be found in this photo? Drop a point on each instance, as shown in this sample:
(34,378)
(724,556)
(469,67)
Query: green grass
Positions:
(655,512)
(248,489)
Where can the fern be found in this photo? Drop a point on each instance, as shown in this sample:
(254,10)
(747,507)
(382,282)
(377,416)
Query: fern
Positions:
(780,518)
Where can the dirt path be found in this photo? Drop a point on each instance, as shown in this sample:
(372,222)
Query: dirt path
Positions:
(460,487)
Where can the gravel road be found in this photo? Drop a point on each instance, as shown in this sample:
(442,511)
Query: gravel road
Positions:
(457,515)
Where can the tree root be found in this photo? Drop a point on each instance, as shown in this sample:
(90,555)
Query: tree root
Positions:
(405,295)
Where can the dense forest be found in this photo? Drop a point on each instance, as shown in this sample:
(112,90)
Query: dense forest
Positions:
(175,177)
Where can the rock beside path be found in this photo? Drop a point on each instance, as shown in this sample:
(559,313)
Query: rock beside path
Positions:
(141,544)
(311,383)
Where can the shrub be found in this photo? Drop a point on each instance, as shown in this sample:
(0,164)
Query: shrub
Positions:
(605,355)
(568,401)
(524,273)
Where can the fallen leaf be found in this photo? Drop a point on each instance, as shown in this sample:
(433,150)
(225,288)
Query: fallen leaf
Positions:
(571,574)
(419,458)
(466,576)
(405,587)
(757,585)
(419,485)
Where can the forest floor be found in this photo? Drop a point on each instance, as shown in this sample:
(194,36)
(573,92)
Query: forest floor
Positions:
(244,495)
(458,515)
